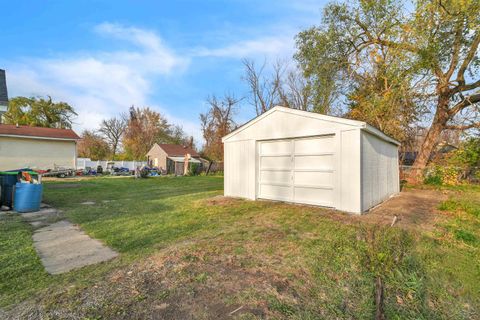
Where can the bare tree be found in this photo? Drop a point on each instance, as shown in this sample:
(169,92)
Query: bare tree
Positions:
(216,123)
(284,85)
(113,129)
(297,93)
(265,90)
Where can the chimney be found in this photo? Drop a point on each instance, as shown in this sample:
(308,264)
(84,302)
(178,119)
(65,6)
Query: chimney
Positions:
(3,94)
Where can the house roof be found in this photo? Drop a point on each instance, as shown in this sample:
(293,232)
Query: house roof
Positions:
(355,123)
(3,89)
(177,150)
(37,132)
(182,159)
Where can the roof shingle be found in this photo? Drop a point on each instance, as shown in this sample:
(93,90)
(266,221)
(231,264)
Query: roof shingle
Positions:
(38,132)
(177,150)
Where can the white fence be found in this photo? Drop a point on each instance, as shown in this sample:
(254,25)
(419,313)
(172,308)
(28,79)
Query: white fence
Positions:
(82,163)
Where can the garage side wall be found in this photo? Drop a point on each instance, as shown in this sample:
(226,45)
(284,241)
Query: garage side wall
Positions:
(18,153)
(349,194)
(380,172)
(239,169)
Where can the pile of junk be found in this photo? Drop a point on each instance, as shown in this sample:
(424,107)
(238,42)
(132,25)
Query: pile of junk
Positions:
(20,190)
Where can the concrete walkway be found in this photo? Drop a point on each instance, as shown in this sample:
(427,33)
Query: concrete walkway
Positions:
(63,246)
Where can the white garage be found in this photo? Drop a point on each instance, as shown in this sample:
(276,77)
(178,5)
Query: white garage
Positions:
(304,157)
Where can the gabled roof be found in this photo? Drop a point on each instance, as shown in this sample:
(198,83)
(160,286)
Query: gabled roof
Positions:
(3,89)
(177,150)
(355,123)
(37,132)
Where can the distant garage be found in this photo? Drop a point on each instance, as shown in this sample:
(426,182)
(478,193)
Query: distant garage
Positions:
(37,147)
(308,158)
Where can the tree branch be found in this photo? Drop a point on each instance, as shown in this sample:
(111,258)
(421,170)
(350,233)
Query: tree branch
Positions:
(464,127)
(468,59)
(467,101)
(456,50)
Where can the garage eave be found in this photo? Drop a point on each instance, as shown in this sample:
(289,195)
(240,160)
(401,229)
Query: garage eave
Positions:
(379,134)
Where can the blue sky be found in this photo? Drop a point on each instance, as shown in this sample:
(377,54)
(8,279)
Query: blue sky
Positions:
(104,56)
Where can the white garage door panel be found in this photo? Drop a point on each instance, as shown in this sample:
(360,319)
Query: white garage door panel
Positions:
(297,170)
(279,162)
(275,147)
(270,176)
(314,145)
(324,162)
(276,192)
(323,197)
(314,178)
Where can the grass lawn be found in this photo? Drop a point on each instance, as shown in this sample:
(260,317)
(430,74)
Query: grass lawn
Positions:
(185,253)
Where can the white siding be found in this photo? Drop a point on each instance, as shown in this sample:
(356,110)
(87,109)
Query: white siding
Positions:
(16,153)
(240,169)
(282,125)
(350,184)
(380,175)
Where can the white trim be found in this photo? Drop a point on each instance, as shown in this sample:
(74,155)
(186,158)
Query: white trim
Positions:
(36,137)
(354,123)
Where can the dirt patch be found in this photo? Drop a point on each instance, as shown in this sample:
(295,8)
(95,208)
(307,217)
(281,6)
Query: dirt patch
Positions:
(414,209)
(179,283)
(220,201)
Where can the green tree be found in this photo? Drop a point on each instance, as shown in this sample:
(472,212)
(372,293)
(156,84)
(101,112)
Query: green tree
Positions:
(428,59)
(39,112)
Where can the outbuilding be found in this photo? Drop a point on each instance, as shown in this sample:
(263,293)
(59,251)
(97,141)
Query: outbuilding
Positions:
(37,147)
(309,158)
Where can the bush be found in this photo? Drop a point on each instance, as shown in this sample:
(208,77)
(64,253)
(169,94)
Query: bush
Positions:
(193,169)
(441,175)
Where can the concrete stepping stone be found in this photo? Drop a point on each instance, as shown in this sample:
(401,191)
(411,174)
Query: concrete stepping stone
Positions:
(63,246)
(88,203)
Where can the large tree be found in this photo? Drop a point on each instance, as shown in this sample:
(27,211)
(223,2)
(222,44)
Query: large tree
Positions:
(112,130)
(39,112)
(216,123)
(429,58)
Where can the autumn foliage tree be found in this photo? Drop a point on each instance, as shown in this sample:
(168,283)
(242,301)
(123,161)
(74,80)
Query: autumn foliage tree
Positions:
(391,63)
(146,127)
(216,123)
(93,146)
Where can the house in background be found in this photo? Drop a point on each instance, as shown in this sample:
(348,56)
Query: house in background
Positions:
(37,148)
(171,157)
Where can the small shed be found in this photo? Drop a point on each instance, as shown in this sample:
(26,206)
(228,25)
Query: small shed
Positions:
(308,158)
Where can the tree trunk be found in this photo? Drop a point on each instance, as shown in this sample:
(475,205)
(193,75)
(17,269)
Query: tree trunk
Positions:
(430,141)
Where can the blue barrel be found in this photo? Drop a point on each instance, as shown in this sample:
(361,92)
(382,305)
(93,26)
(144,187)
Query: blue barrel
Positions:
(27,197)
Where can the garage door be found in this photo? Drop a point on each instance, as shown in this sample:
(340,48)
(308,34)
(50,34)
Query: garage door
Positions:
(297,170)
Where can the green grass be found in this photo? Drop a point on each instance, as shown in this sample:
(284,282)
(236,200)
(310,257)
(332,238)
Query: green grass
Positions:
(318,267)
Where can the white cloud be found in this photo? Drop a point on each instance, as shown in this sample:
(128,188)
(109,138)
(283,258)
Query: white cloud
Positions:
(99,84)
(271,47)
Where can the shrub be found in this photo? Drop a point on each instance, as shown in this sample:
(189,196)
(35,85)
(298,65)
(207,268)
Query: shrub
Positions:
(441,175)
